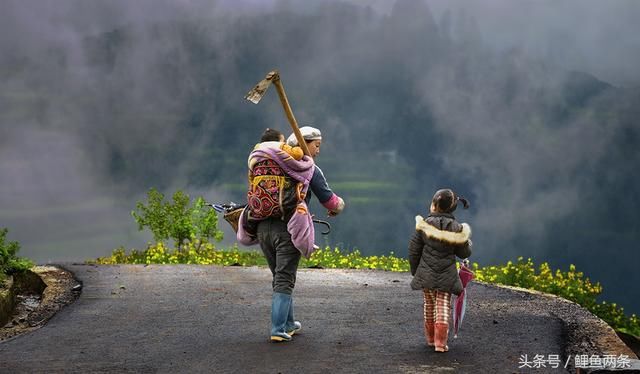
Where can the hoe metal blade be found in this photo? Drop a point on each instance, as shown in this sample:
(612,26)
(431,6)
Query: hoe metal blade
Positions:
(257,92)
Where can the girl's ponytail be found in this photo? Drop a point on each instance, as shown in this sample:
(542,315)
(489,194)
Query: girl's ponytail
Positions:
(446,201)
(465,202)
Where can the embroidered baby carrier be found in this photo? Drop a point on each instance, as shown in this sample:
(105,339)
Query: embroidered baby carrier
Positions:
(277,187)
(272,193)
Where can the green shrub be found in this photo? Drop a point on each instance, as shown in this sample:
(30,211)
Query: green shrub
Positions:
(332,259)
(179,220)
(616,318)
(206,254)
(191,253)
(571,285)
(9,262)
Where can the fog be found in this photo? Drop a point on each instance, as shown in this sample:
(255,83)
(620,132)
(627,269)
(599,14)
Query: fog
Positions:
(527,108)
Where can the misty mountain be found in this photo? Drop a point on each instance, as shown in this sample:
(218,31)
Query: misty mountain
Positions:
(408,102)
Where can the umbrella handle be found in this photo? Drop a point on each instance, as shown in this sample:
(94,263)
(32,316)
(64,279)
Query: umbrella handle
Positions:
(327,225)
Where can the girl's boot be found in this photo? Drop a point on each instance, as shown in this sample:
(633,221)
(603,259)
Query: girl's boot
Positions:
(280,304)
(429,330)
(429,315)
(441,335)
(292,326)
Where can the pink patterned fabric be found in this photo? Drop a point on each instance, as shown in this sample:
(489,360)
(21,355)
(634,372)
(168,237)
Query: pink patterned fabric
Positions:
(460,305)
(332,203)
(241,235)
(300,226)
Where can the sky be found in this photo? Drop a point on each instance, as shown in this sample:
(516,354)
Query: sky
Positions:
(66,115)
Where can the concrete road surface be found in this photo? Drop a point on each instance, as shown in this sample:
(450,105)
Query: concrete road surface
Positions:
(210,319)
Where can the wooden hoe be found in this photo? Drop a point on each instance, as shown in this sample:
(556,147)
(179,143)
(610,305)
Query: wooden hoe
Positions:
(257,92)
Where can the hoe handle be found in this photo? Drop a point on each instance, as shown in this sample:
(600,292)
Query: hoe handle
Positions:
(289,113)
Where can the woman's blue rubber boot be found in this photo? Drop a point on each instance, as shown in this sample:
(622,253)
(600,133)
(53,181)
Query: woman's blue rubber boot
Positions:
(280,305)
(292,326)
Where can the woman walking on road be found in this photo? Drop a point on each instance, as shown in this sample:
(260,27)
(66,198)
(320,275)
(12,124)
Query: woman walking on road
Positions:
(284,232)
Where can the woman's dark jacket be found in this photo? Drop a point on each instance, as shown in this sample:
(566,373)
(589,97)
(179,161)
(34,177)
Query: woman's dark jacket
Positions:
(433,248)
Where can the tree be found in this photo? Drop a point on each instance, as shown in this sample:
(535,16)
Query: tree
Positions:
(9,262)
(179,220)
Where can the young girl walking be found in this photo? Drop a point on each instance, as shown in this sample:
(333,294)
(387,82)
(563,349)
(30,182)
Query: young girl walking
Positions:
(433,248)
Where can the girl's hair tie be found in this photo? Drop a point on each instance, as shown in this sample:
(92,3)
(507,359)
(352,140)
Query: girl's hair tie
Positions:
(465,202)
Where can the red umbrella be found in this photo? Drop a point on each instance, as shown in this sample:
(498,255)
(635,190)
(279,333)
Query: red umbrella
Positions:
(460,305)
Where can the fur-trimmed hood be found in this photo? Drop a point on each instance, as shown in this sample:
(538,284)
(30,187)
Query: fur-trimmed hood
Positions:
(443,235)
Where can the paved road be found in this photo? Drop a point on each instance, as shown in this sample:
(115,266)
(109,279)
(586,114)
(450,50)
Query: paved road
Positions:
(187,318)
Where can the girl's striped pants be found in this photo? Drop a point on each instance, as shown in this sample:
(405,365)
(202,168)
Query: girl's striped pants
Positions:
(437,306)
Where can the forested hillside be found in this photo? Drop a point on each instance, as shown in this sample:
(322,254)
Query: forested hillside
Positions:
(407,103)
